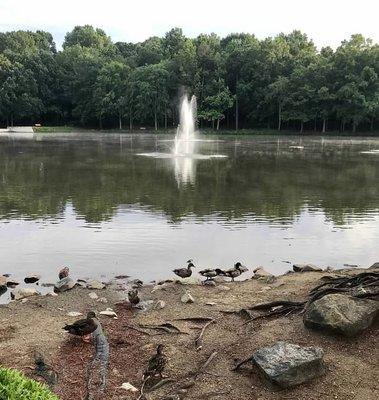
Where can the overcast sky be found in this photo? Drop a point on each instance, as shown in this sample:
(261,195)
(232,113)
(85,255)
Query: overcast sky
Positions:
(327,22)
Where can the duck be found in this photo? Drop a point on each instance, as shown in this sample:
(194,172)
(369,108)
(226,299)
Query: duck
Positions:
(210,273)
(156,364)
(84,327)
(234,272)
(64,273)
(185,272)
(133,297)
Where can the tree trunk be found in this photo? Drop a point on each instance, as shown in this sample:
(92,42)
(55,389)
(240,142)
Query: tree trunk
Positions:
(237,104)
(324,125)
(155,121)
(165,120)
(280,116)
(372,124)
(12,120)
(119,121)
(130,121)
(100,123)
(218,124)
(301,127)
(315,125)
(354,127)
(213,124)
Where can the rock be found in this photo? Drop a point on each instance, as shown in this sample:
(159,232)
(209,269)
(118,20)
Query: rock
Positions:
(351,265)
(159,305)
(162,286)
(187,298)
(64,284)
(3,281)
(74,314)
(109,313)
(24,300)
(3,289)
(129,387)
(306,268)
(95,285)
(374,266)
(52,294)
(136,283)
(21,293)
(223,288)
(93,296)
(102,300)
(338,313)
(287,365)
(32,278)
(192,280)
(261,274)
(329,269)
(209,283)
(270,279)
(210,303)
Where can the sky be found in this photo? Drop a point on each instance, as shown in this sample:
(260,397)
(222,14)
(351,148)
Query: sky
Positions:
(327,22)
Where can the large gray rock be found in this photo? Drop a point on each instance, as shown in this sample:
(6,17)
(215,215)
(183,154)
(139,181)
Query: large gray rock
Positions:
(341,314)
(3,281)
(306,268)
(375,266)
(64,284)
(286,365)
(261,274)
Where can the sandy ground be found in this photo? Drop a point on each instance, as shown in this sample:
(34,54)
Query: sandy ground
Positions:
(351,364)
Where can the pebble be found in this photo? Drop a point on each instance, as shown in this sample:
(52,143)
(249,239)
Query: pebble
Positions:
(159,305)
(52,294)
(109,313)
(74,314)
(93,295)
(97,285)
(129,387)
(210,304)
(20,293)
(187,298)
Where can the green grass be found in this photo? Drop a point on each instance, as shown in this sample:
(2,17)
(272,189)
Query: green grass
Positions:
(15,386)
(53,129)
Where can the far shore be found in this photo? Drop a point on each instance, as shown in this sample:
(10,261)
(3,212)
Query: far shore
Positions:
(37,325)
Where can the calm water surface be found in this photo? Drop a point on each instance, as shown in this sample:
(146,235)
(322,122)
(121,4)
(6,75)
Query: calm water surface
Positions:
(93,203)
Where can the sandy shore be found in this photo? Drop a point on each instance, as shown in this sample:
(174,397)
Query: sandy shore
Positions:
(352,364)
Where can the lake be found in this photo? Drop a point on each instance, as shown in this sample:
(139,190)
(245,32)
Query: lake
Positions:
(93,203)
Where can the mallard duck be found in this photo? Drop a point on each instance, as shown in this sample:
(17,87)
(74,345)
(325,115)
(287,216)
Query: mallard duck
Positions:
(83,327)
(234,272)
(156,364)
(64,273)
(133,297)
(210,273)
(185,272)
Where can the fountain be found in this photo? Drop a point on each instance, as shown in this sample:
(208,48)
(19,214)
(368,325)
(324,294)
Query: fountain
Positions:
(184,152)
(185,137)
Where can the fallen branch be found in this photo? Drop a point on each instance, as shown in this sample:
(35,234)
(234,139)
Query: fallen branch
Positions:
(199,339)
(246,360)
(134,328)
(205,365)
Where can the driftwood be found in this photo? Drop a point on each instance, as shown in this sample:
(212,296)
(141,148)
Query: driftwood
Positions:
(134,328)
(204,366)
(239,365)
(165,327)
(194,319)
(199,339)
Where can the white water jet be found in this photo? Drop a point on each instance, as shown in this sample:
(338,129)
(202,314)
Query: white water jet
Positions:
(185,138)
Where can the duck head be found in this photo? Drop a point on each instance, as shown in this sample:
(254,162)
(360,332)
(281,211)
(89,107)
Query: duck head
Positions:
(190,264)
(91,314)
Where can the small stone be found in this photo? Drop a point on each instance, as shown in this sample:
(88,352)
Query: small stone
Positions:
(306,268)
(95,285)
(187,298)
(93,295)
(74,314)
(52,294)
(3,281)
(108,312)
(102,300)
(24,300)
(159,305)
(210,303)
(32,278)
(21,293)
(261,274)
(192,280)
(64,284)
(129,387)
(287,365)
(223,288)
(209,283)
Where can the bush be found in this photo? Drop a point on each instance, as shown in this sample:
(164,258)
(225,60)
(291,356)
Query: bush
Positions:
(15,386)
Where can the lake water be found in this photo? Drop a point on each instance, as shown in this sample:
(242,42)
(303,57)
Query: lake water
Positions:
(91,202)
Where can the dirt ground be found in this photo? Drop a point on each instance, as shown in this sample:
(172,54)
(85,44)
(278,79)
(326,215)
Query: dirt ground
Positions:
(351,364)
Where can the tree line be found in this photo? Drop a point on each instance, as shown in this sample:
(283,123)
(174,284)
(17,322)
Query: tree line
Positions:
(240,81)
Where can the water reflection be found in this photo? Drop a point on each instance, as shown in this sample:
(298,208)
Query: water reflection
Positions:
(185,170)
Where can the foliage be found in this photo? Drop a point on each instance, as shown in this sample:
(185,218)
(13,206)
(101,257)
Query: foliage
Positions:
(15,386)
(240,82)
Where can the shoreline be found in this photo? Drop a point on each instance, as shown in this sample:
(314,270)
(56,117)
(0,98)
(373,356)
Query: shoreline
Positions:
(36,324)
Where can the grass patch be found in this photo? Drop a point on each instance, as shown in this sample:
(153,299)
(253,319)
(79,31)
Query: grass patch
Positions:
(15,386)
(53,129)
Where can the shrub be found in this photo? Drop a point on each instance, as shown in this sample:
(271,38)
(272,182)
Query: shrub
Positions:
(15,386)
